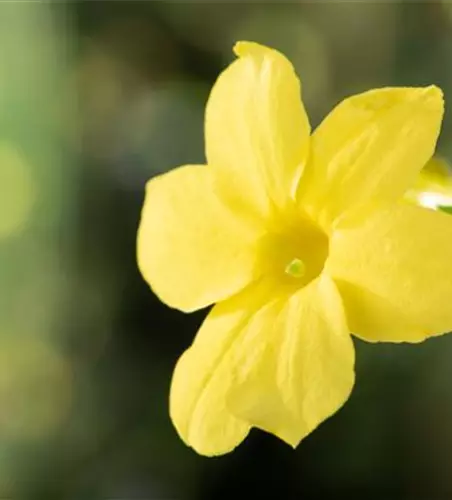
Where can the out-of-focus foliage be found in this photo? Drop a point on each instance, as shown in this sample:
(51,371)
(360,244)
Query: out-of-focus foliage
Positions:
(97,97)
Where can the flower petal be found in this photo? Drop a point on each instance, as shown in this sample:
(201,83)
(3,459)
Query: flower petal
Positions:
(279,363)
(371,146)
(257,131)
(394,273)
(193,250)
(295,364)
(203,377)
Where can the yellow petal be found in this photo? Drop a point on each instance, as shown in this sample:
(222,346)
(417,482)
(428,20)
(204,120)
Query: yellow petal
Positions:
(257,131)
(294,366)
(394,273)
(283,364)
(203,377)
(371,146)
(193,250)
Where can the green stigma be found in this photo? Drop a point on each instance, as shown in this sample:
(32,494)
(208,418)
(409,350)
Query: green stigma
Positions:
(296,268)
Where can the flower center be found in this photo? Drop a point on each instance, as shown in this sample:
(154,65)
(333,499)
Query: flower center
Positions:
(295,251)
(296,268)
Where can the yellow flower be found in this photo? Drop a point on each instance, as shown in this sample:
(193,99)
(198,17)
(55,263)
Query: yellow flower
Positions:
(299,240)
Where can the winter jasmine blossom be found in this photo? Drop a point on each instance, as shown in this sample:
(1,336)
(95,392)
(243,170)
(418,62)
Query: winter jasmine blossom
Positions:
(298,240)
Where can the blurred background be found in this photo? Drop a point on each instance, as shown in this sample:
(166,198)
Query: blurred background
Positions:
(96,98)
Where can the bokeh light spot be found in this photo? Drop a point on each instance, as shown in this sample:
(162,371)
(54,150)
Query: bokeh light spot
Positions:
(17,191)
(35,389)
